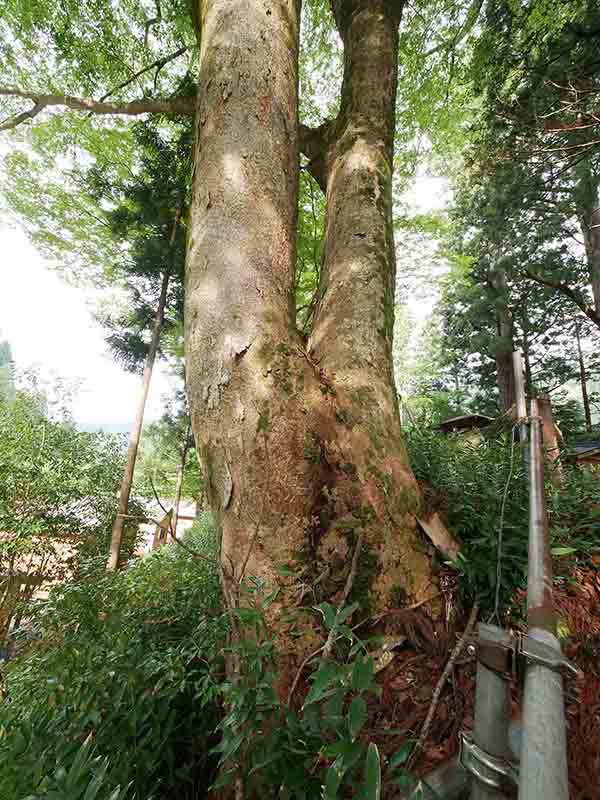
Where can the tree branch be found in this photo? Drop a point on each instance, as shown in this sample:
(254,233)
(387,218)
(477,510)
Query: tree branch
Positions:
(458,648)
(175,105)
(12,122)
(314,143)
(472,17)
(158,65)
(565,290)
(154,21)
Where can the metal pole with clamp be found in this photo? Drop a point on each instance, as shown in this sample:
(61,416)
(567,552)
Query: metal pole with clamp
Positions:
(544,749)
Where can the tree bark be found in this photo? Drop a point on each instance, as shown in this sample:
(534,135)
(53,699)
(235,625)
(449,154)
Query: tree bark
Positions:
(352,335)
(250,387)
(583,381)
(180,475)
(136,433)
(301,447)
(589,218)
(504,344)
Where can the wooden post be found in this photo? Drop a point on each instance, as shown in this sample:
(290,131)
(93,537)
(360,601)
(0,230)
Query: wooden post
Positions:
(551,437)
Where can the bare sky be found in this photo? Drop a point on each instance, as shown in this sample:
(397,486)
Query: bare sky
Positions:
(50,324)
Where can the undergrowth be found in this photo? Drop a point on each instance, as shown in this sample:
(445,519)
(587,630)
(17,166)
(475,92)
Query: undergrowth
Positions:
(120,693)
(322,751)
(467,482)
(115,693)
(120,690)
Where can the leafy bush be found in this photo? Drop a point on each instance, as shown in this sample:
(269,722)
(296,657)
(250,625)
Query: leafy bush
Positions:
(324,750)
(574,514)
(131,661)
(468,482)
(58,490)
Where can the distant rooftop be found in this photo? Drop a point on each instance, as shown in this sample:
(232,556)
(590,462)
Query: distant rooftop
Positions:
(465,422)
(586,451)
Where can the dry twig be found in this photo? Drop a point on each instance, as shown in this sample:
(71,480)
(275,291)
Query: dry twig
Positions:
(458,647)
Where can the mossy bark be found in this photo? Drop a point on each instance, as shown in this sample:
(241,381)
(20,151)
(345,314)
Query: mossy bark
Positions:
(301,444)
(352,335)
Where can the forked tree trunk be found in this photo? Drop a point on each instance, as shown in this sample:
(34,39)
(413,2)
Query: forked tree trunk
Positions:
(301,447)
(371,479)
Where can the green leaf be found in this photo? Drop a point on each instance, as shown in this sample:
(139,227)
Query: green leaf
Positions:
(563,551)
(372,773)
(362,674)
(325,678)
(334,776)
(401,756)
(329,613)
(346,612)
(96,783)
(81,763)
(357,716)
(350,751)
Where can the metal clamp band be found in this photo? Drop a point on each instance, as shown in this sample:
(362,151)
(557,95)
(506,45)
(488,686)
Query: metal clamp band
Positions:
(540,653)
(507,659)
(494,772)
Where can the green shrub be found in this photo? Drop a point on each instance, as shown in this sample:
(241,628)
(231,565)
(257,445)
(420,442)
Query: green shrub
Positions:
(468,482)
(130,660)
(322,751)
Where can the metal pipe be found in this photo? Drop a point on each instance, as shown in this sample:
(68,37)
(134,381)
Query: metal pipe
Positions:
(543,769)
(520,400)
(492,712)
(450,781)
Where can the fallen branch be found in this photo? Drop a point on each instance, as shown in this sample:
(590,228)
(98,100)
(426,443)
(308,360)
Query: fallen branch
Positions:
(396,612)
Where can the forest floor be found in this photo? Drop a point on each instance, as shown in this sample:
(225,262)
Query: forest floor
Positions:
(410,679)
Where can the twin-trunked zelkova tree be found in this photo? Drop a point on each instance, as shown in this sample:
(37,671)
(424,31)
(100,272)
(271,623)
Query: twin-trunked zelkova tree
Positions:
(300,440)
(301,443)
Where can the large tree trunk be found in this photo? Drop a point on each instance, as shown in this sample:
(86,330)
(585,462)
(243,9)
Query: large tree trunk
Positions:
(354,320)
(301,447)
(589,219)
